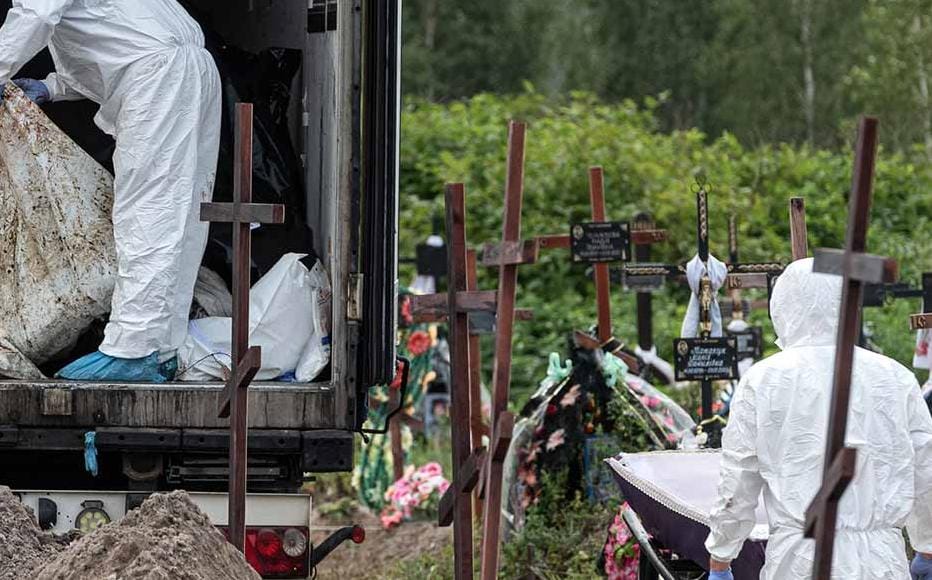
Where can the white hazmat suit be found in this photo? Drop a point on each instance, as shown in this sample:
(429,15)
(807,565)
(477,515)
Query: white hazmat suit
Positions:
(144,62)
(775,444)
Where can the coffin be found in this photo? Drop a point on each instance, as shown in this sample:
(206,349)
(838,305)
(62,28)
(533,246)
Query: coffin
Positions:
(672,493)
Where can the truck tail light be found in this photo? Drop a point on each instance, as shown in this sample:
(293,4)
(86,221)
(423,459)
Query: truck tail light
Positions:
(359,534)
(277,552)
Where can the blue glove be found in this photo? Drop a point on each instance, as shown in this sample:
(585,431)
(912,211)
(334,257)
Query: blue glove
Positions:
(100,367)
(37,91)
(921,568)
(724,575)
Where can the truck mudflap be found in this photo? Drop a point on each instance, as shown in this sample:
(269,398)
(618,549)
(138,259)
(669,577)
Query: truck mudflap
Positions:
(277,525)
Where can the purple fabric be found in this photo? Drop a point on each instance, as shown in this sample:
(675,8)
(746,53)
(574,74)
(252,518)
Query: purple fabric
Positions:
(689,480)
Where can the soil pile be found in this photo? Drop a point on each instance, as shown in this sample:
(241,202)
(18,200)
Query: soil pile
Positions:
(167,538)
(23,546)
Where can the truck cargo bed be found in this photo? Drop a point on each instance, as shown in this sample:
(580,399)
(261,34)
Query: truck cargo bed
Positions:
(173,405)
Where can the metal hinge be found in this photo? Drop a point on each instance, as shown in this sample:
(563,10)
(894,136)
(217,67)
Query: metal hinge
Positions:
(354,297)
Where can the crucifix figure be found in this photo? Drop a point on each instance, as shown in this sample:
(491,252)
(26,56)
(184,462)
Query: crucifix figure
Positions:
(246,360)
(857,268)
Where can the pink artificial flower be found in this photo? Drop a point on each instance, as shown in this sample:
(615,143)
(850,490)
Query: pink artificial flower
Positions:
(569,399)
(533,451)
(556,439)
(432,468)
(650,402)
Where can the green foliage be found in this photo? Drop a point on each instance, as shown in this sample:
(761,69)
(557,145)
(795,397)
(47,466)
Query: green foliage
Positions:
(645,170)
(427,566)
(763,70)
(561,539)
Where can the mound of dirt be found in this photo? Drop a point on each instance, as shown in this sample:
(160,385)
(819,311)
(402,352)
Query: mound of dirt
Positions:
(23,546)
(167,538)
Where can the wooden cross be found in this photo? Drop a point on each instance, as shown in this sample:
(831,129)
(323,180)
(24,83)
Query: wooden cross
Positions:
(457,502)
(503,420)
(799,237)
(527,252)
(923,320)
(246,360)
(857,268)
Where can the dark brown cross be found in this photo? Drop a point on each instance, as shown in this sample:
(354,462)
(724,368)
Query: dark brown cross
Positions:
(502,420)
(472,465)
(642,251)
(761,277)
(923,320)
(527,252)
(468,459)
(857,268)
(246,361)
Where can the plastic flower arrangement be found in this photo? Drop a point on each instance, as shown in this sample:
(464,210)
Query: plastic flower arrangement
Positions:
(621,551)
(415,496)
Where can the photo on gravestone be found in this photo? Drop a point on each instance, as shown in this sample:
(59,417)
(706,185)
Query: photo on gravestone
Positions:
(597,242)
(749,342)
(705,359)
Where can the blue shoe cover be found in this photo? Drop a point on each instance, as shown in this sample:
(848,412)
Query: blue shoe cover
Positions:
(100,367)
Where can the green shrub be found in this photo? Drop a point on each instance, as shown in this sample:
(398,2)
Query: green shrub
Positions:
(561,539)
(645,170)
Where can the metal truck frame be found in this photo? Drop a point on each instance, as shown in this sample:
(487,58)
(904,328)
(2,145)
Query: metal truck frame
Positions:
(154,437)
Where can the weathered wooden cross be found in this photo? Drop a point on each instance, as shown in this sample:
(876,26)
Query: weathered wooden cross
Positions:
(246,360)
(502,420)
(857,268)
(471,462)
(598,242)
(799,236)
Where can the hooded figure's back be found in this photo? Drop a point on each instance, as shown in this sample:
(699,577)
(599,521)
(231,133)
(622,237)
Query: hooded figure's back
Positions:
(775,441)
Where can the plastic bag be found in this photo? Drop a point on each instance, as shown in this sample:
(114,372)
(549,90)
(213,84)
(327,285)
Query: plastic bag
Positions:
(265,80)
(56,239)
(283,310)
(316,353)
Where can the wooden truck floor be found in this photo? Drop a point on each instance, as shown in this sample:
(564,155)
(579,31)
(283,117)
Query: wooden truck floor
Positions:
(170,405)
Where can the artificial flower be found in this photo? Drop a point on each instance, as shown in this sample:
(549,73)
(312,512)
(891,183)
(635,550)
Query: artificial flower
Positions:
(556,439)
(569,399)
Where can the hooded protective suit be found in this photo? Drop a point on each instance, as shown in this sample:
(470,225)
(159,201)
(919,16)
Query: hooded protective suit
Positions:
(775,444)
(144,62)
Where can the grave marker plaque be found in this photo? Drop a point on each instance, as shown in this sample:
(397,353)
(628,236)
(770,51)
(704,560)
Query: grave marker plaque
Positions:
(706,359)
(749,342)
(599,242)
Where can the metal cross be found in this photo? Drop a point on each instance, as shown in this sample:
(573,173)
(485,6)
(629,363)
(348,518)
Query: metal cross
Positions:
(643,222)
(857,268)
(246,361)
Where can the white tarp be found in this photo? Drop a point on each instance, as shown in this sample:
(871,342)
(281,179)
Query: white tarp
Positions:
(56,238)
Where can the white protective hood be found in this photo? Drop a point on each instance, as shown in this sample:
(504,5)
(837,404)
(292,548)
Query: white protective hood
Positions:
(805,306)
(775,444)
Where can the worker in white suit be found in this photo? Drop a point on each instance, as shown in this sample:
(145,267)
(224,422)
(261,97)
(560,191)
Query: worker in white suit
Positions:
(145,63)
(775,444)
